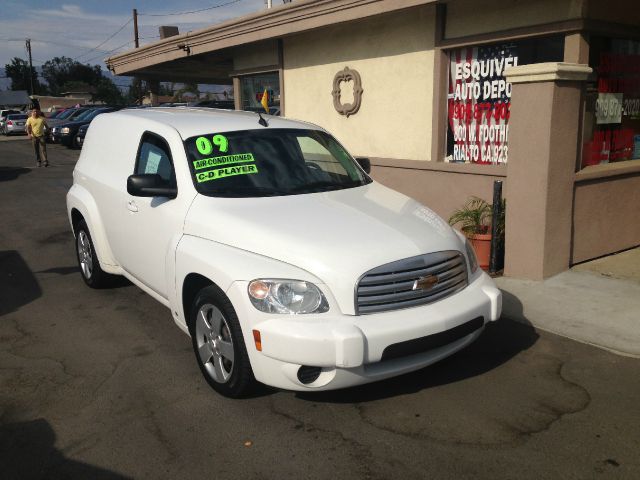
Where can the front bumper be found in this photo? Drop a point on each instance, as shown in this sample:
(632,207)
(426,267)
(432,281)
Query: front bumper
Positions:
(62,138)
(349,348)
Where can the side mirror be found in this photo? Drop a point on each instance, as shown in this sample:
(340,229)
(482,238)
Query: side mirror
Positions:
(150,185)
(365,163)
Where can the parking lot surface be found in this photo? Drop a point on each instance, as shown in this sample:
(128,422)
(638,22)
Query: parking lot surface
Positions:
(100,384)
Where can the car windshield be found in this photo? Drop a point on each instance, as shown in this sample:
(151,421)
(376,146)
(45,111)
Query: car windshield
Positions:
(17,117)
(66,114)
(83,115)
(95,113)
(270,162)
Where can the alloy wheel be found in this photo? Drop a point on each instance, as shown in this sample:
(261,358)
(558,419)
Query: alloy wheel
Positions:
(84,254)
(214,343)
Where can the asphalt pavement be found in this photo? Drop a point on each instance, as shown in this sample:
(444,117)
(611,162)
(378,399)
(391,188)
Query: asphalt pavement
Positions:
(100,384)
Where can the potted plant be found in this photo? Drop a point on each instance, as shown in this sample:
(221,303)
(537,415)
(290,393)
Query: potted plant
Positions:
(475,219)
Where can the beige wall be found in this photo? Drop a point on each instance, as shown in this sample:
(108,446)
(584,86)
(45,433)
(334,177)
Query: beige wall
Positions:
(255,55)
(542,156)
(394,55)
(471,17)
(441,191)
(605,217)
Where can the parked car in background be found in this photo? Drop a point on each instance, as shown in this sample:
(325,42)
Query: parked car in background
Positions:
(273,110)
(55,114)
(3,117)
(66,116)
(223,104)
(174,104)
(79,139)
(65,113)
(65,133)
(15,124)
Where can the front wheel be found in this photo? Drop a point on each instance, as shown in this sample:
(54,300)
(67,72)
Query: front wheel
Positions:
(92,273)
(219,345)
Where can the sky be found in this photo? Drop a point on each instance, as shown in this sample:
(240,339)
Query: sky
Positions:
(76,29)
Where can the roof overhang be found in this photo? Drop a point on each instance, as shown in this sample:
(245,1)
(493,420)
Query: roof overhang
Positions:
(274,23)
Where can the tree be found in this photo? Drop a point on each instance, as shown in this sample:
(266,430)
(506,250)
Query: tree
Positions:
(61,70)
(108,92)
(191,87)
(136,91)
(64,74)
(18,71)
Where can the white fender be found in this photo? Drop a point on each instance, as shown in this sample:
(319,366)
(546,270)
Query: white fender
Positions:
(80,199)
(224,265)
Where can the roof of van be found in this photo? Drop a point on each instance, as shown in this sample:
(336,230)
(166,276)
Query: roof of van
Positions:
(191,121)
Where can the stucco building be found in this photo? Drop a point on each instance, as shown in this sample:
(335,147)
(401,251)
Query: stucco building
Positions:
(445,97)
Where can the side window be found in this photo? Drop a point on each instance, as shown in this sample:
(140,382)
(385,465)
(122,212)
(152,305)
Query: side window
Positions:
(154,156)
(317,157)
(322,162)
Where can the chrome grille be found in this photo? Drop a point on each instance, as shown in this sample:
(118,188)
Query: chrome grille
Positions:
(391,286)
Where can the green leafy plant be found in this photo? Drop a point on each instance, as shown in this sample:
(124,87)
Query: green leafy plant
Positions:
(475,217)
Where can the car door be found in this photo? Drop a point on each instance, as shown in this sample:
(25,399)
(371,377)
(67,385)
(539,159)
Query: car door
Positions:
(154,224)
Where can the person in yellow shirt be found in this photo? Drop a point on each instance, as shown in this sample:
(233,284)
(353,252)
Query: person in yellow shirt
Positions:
(36,125)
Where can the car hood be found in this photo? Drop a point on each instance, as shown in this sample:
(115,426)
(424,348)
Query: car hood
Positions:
(79,123)
(336,236)
(56,122)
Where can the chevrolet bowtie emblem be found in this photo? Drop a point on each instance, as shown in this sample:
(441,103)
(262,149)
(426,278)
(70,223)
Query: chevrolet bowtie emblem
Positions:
(425,283)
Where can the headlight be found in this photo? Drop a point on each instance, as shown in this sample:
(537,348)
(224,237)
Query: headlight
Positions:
(286,296)
(65,130)
(471,255)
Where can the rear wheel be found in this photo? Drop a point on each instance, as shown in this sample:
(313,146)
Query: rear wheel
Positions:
(218,344)
(92,273)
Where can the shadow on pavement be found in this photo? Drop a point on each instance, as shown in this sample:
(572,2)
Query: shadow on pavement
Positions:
(60,270)
(27,451)
(11,173)
(499,343)
(18,286)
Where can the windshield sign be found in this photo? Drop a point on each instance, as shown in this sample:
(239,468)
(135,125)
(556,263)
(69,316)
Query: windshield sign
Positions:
(273,162)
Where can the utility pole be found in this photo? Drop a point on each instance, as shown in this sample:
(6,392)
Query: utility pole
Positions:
(28,42)
(135,27)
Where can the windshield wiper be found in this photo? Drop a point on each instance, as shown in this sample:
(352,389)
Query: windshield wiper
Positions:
(324,186)
(247,192)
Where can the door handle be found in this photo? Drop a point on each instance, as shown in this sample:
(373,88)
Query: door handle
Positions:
(131,206)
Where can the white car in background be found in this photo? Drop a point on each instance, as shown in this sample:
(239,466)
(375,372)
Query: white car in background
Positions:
(15,123)
(3,117)
(273,249)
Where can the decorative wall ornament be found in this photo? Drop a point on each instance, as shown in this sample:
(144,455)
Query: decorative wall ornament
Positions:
(347,75)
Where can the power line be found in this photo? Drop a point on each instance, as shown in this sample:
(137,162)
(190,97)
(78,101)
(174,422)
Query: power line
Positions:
(45,41)
(187,13)
(109,52)
(110,37)
(118,48)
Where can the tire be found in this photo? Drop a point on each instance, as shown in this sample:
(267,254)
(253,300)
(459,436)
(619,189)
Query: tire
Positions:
(218,344)
(88,262)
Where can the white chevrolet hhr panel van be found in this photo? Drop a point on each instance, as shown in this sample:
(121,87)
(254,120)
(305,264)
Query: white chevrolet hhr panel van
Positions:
(274,250)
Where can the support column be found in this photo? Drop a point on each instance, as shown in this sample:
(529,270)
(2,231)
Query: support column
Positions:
(237,93)
(154,91)
(544,134)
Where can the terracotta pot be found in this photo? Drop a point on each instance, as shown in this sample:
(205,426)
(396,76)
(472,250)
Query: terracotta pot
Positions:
(481,243)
